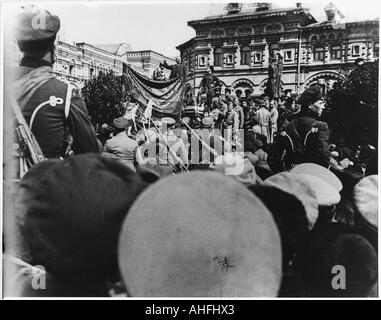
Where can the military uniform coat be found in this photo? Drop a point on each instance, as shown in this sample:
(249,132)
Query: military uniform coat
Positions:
(263,116)
(50,123)
(123,148)
(177,70)
(305,139)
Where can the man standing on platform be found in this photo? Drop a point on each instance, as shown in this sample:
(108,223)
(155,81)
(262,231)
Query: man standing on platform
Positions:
(208,85)
(177,69)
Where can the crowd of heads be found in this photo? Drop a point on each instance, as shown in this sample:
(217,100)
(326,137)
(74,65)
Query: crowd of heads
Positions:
(99,228)
(232,228)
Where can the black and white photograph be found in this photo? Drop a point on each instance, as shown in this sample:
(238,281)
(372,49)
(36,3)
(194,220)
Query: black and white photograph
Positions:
(190,150)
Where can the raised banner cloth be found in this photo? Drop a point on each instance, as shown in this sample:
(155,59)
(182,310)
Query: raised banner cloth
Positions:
(166,96)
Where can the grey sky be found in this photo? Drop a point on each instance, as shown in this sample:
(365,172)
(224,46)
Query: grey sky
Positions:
(161,25)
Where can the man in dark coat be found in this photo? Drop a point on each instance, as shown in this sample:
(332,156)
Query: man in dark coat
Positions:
(305,139)
(54,110)
(208,85)
(177,69)
(250,118)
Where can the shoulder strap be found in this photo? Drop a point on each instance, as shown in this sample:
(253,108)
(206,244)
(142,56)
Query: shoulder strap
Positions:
(284,134)
(314,129)
(53,101)
(69,92)
(296,145)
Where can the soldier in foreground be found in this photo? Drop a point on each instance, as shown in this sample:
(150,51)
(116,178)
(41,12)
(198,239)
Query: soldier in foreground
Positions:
(54,110)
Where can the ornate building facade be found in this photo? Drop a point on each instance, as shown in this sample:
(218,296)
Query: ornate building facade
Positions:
(81,61)
(238,42)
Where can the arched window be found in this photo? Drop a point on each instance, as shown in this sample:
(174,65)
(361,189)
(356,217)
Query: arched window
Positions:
(314,38)
(245,55)
(248,93)
(238,93)
(218,56)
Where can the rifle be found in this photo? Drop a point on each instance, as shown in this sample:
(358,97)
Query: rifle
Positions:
(29,151)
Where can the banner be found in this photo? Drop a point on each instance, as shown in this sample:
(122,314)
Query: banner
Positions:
(165,97)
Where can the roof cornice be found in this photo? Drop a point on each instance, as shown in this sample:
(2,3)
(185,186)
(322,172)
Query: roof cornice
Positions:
(251,16)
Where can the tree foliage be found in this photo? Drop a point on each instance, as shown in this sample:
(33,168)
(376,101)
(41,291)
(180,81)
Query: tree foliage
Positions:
(352,105)
(104,96)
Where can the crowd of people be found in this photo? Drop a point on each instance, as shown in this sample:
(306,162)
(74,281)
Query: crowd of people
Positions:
(243,198)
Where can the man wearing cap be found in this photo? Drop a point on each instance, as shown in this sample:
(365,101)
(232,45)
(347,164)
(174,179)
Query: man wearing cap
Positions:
(121,145)
(305,138)
(53,109)
(239,110)
(177,69)
(250,116)
(231,122)
(218,112)
(228,95)
(263,117)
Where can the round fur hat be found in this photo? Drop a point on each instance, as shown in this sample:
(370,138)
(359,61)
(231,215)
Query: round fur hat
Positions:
(186,237)
(310,95)
(34,23)
(71,212)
